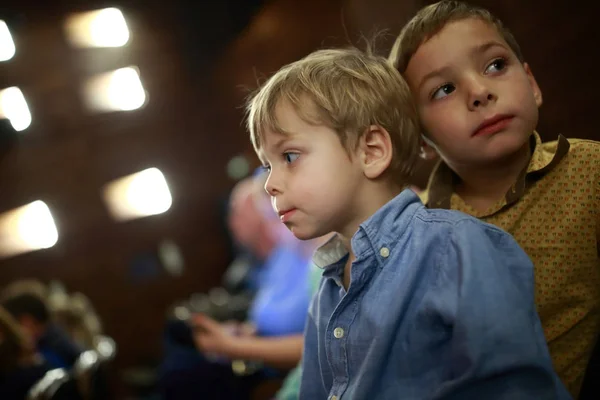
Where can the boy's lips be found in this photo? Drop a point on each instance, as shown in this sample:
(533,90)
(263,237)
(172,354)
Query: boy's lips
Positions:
(285,215)
(493,125)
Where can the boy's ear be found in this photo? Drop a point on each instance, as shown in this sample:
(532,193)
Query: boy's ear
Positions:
(537,92)
(427,151)
(376,151)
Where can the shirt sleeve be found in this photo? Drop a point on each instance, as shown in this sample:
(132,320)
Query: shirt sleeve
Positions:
(311,384)
(497,349)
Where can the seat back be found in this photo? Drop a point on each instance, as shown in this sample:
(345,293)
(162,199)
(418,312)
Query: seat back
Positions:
(90,370)
(47,387)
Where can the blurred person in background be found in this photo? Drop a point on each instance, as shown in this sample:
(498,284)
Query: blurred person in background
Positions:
(20,365)
(272,335)
(75,314)
(27,302)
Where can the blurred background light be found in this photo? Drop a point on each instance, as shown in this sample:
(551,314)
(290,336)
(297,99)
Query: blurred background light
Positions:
(138,195)
(7,46)
(27,228)
(99,28)
(119,90)
(14,108)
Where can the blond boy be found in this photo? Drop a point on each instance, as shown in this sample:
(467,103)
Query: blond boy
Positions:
(478,104)
(414,303)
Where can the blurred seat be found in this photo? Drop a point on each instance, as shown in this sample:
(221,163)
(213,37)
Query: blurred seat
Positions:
(57,384)
(85,370)
(105,347)
(90,369)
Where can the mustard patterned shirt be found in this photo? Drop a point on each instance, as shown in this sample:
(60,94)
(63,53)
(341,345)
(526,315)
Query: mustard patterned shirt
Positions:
(553,212)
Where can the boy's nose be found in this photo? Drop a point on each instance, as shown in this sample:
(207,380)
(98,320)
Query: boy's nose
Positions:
(479,95)
(482,100)
(271,185)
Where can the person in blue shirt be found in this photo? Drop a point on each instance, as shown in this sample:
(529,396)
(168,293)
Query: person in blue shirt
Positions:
(271,340)
(414,303)
(273,334)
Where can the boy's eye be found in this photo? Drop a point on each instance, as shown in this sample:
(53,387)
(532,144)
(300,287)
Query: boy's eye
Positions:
(290,157)
(443,91)
(497,65)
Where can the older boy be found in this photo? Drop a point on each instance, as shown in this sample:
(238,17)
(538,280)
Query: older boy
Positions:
(478,104)
(414,303)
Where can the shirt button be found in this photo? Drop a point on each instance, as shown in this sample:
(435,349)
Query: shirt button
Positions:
(338,333)
(334,397)
(384,252)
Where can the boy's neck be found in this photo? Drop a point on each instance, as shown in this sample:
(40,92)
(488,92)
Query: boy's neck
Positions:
(369,200)
(483,186)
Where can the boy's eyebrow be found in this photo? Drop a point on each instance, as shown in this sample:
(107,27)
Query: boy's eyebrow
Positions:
(482,48)
(277,143)
(432,74)
(281,140)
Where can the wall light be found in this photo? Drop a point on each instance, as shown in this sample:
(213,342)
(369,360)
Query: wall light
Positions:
(27,228)
(138,195)
(99,28)
(7,46)
(119,90)
(14,108)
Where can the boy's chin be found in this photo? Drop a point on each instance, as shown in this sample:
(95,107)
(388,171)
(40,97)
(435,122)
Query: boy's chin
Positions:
(501,147)
(302,234)
(303,237)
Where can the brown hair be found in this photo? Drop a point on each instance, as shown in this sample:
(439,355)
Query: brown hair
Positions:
(433,18)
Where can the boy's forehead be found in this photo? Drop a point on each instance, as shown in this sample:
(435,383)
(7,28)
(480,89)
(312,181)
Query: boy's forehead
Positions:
(474,29)
(272,139)
(288,121)
(289,116)
(455,40)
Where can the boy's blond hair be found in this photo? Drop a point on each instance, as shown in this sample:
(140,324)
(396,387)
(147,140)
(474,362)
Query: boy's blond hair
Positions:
(347,90)
(432,19)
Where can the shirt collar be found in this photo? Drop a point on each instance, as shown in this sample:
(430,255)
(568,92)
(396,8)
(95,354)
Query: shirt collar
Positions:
(543,159)
(382,229)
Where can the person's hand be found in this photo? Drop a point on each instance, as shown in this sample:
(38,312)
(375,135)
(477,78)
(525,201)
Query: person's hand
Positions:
(246,329)
(211,336)
(241,329)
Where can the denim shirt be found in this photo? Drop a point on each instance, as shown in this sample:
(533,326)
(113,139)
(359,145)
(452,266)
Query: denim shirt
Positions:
(440,306)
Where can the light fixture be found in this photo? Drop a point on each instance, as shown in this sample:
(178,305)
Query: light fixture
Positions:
(119,90)
(27,228)
(138,195)
(7,46)
(98,28)
(14,108)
